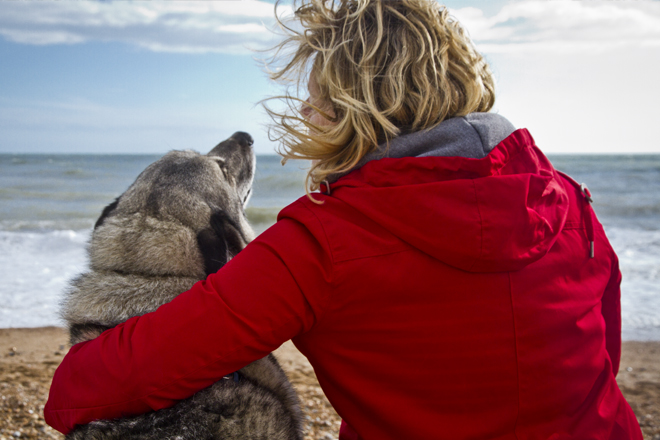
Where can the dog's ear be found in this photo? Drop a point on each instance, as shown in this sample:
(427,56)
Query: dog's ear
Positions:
(220,242)
(106,212)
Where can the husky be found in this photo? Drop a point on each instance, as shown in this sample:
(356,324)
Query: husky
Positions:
(182,219)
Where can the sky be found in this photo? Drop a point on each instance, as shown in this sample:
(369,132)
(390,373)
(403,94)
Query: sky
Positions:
(149,76)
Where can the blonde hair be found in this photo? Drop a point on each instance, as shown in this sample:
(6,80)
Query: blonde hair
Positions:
(387,68)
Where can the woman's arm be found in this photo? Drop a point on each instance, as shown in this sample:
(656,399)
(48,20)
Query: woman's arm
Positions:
(238,315)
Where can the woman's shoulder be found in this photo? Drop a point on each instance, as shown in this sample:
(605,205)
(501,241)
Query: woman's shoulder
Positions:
(346,232)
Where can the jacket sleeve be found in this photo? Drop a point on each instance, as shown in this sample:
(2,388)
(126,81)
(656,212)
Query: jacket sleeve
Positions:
(240,314)
(611,310)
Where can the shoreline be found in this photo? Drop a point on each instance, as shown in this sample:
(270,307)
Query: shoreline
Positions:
(29,357)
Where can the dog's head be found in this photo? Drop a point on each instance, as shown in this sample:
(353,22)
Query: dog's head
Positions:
(183,216)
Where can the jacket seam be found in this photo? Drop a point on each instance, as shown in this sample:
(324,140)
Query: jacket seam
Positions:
(481,227)
(597,227)
(325,234)
(515,347)
(324,306)
(302,292)
(483,145)
(376,255)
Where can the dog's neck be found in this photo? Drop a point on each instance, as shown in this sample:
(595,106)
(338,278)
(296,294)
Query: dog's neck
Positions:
(109,298)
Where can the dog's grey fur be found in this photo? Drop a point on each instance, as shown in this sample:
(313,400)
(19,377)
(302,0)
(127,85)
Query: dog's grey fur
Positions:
(182,219)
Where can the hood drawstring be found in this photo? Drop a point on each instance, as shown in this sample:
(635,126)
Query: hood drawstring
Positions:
(588,213)
(588,218)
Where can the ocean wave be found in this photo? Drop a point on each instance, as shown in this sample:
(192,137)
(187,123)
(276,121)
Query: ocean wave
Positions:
(35,268)
(262,216)
(635,245)
(628,209)
(641,321)
(44,226)
(48,195)
(77,172)
(278,182)
(18,161)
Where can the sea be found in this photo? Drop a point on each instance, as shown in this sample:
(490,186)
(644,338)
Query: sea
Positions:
(49,203)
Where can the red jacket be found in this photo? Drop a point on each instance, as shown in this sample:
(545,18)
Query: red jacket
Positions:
(436,298)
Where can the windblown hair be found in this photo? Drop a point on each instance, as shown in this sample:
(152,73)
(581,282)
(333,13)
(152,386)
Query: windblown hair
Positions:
(386,67)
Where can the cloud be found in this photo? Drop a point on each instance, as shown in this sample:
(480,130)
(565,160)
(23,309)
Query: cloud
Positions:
(228,26)
(233,26)
(564,26)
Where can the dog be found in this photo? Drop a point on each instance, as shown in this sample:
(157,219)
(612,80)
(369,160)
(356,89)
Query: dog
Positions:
(182,219)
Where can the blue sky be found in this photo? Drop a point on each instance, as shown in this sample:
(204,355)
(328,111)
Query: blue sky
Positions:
(136,76)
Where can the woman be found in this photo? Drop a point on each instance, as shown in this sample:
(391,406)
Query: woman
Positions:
(446,282)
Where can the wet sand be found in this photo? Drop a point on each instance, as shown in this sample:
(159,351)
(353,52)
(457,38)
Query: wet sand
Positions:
(29,357)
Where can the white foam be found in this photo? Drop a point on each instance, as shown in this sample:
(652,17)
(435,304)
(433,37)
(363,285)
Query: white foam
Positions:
(34,269)
(639,260)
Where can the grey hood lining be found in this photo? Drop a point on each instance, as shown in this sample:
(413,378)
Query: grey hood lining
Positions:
(472,136)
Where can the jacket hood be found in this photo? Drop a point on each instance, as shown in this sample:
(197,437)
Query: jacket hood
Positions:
(496,213)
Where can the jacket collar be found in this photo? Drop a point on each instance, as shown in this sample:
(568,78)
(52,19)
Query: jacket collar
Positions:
(472,136)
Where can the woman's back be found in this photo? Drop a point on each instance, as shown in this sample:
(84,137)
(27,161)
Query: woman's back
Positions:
(458,299)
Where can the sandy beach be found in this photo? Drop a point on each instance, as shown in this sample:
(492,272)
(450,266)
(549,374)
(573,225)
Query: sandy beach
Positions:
(29,357)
